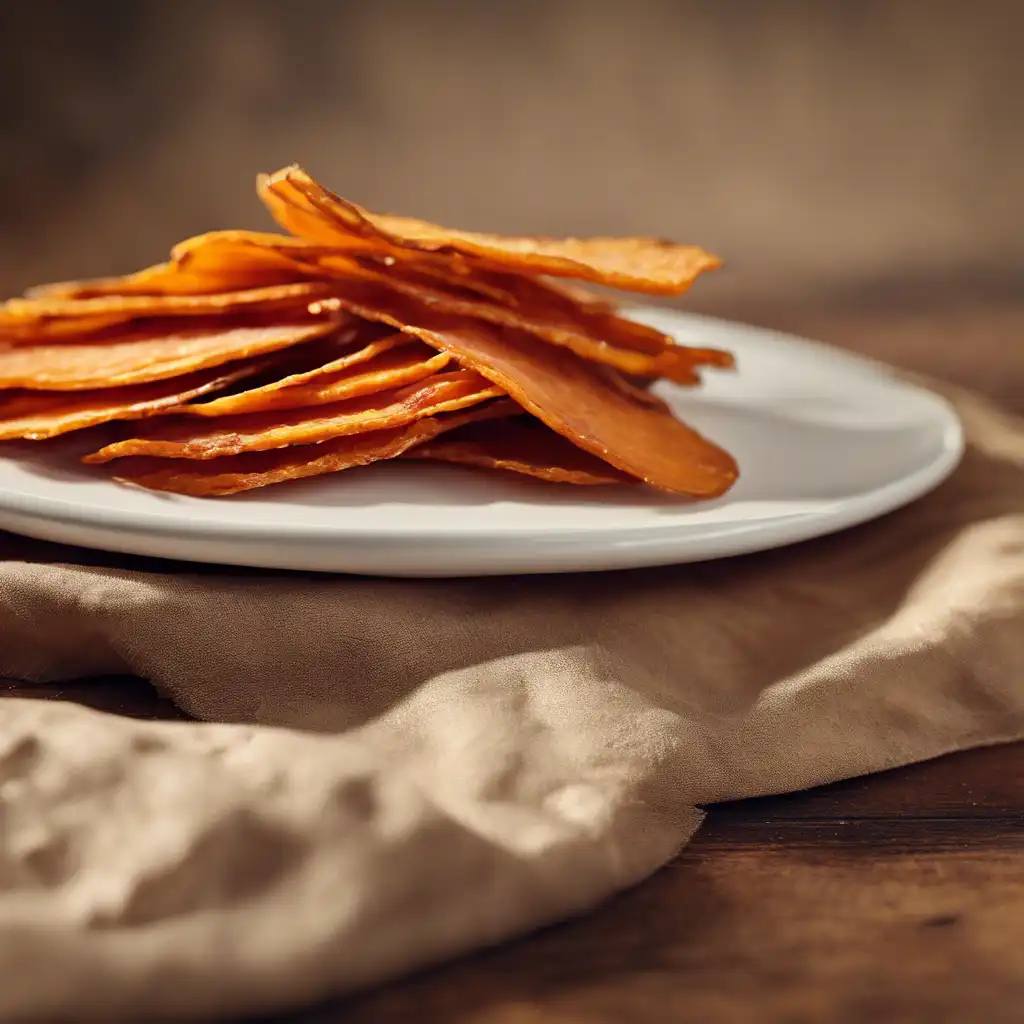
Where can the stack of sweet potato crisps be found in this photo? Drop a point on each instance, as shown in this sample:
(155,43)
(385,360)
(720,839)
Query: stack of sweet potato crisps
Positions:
(251,359)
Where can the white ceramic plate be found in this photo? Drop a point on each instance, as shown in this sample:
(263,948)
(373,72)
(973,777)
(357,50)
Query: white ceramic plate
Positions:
(824,441)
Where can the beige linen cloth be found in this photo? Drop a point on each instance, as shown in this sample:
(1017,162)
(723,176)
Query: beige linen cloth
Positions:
(398,772)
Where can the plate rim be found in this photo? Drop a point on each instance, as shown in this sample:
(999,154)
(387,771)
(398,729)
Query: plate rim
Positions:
(863,507)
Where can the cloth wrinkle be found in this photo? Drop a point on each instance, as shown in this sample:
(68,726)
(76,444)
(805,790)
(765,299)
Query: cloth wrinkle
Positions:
(382,774)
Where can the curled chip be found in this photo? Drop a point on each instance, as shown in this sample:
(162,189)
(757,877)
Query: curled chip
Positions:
(252,357)
(32,319)
(140,359)
(217,251)
(521,445)
(56,330)
(571,395)
(188,438)
(232,474)
(364,372)
(574,293)
(36,415)
(602,320)
(166,279)
(293,212)
(593,334)
(305,365)
(647,265)
(218,261)
(584,333)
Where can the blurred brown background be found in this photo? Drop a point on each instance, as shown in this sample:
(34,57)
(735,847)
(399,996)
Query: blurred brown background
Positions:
(824,148)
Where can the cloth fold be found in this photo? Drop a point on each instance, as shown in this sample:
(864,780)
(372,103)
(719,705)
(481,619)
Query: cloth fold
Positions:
(391,772)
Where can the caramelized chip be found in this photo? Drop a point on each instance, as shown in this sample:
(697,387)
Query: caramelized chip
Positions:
(218,261)
(586,334)
(646,265)
(571,395)
(27,319)
(187,438)
(579,294)
(36,415)
(57,330)
(594,334)
(237,240)
(420,272)
(232,474)
(600,318)
(521,445)
(289,334)
(379,366)
(293,212)
(349,347)
(260,251)
(170,279)
(94,287)
(112,363)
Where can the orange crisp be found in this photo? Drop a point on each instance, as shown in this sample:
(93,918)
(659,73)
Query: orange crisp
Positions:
(249,358)
(35,415)
(232,474)
(109,363)
(571,395)
(521,303)
(521,445)
(229,435)
(386,363)
(647,265)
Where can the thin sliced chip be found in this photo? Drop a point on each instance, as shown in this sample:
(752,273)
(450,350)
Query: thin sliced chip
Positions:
(601,319)
(571,395)
(183,274)
(570,307)
(635,388)
(168,279)
(586,334)
(276,257)
(93,287)
(28,318)
(218,261)
(30,332)
(363,372)
(188,438)
(217,252)
(306,363)
(521,445)
(291,210)
(580,294)
(225,261)
(306,357)
(237,240)
(233,474)
(648,265)
(218,248)
(600,337)
(422,272)
(112,363)
(35,415)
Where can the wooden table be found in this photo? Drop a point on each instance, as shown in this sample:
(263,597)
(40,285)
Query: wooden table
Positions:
(897,897)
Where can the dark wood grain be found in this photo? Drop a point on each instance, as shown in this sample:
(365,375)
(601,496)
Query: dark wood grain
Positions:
(896,897)
(819,906)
